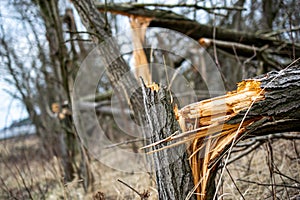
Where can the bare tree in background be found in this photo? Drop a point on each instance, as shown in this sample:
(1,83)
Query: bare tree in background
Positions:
(54,71)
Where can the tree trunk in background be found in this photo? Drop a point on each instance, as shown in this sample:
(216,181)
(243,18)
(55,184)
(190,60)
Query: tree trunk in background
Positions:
(270,9)
(58,55)
(64,65)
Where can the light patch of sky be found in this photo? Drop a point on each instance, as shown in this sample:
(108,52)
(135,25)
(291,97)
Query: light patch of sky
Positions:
(11,109)
(201,16)
(79,25)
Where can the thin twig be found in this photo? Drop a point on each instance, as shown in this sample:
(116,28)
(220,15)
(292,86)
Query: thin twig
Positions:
(143,195)
(216,57)
(234,183)
(11,171)
(281,177)
(278,172)
(82,32)
(6,189)
(77,39)
(257,141)
(249,150)
(295,149)
(277,32)
(167,77)
(268,184)
(124,142)
(270,162)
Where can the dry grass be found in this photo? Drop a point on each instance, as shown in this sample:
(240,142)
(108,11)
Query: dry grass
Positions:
(251,174)
(22,158)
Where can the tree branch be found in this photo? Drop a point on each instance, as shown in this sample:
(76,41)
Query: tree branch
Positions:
(143,5)
(173,21)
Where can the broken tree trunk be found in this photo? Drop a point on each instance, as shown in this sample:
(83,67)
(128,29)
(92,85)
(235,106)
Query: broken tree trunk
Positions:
(173,173)
(209,133)
(268,104)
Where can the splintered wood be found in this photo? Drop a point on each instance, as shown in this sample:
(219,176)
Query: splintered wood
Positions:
(213,135)
(207,133)
(219,109)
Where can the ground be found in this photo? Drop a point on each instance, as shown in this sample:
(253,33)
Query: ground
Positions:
(26,171)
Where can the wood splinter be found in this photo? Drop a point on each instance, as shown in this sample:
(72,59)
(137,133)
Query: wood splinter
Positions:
(211,126)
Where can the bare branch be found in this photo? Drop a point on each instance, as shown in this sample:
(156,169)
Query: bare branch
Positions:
(280,31)
(142,5)
(268,184)
(171,20)
(144,196)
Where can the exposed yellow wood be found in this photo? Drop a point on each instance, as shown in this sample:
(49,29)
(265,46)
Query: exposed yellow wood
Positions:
(155,87)
(138,27)
(213,134)
(206,132)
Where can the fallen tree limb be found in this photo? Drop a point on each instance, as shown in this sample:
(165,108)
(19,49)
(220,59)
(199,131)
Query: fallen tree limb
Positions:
(208,9)
(195,30)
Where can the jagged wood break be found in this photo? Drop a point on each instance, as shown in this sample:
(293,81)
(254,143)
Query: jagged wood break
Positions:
(212,134)
(211,126)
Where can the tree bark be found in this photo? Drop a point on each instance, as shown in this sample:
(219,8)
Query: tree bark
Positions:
(281,104)
(173,172)
(58,55)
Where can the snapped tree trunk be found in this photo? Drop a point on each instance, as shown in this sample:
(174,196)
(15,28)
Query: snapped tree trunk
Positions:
(267,104)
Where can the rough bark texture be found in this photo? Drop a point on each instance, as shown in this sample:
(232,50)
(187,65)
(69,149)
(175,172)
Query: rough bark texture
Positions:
(59,57)
(281,106)
(173,172)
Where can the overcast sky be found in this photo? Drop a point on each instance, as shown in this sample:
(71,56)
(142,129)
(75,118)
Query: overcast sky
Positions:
(10,109)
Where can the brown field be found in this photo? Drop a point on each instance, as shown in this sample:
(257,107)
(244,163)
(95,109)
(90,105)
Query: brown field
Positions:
(27,172)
